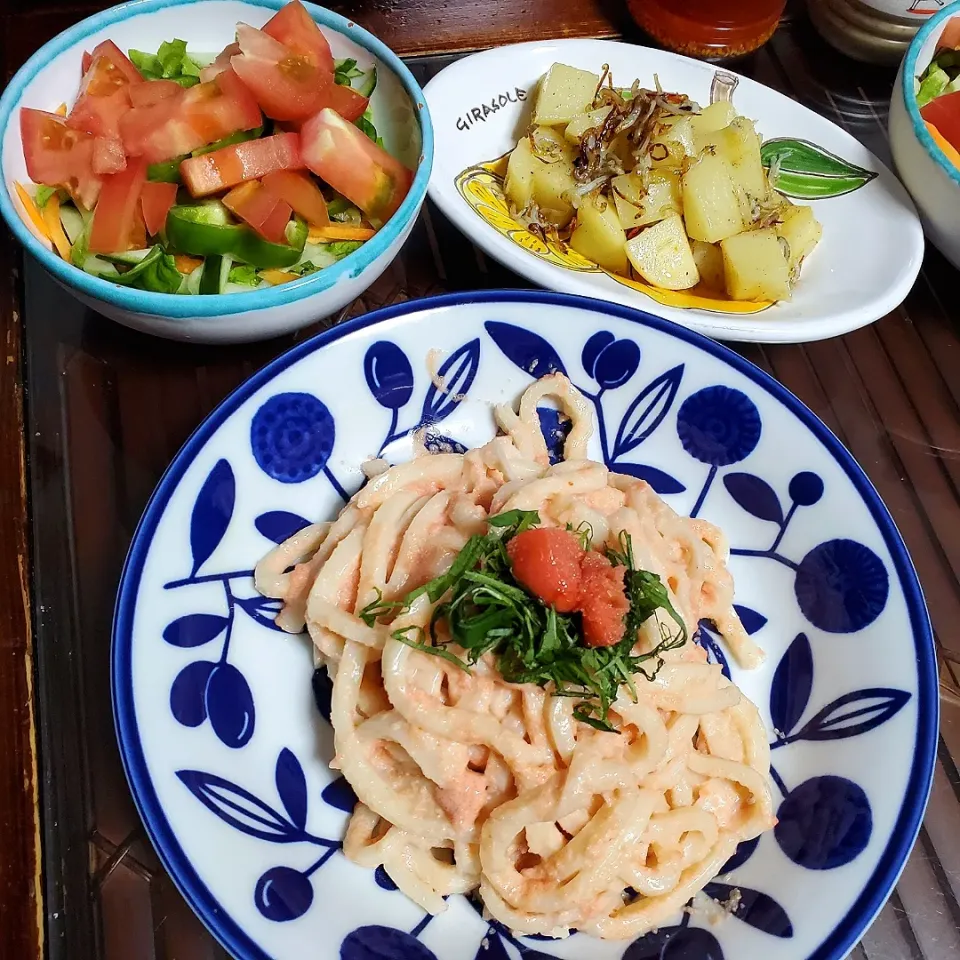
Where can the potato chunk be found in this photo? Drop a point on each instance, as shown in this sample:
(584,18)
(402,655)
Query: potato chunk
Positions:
(711,207)
(518,184)
(661,255)
(802,231)
(709,260)
(739,145)
(599,236)
(709,121)
(639,207)
(583,122)
(550,182)
(564,92)
(754,266)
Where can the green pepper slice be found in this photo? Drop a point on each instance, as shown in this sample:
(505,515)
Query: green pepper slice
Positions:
(241,136)
(167,171)
(204,229)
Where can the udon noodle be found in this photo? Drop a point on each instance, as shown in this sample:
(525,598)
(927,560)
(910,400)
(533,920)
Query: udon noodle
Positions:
(469,784)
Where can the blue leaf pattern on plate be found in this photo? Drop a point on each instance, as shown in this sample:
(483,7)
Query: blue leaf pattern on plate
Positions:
(751,620)
(212,511)
(383,943)
(322,691)
(457,374)
(866,709)
(757,909)
(280,525)
(754,495)
(239,808)
(661,482)
(340,794)
(792,683)
(740,856)
(675,943)
(525,349)
(647,411)
(195,629)
(292,787)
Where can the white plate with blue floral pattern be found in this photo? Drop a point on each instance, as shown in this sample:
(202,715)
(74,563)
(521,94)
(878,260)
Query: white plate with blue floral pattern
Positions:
(221,720)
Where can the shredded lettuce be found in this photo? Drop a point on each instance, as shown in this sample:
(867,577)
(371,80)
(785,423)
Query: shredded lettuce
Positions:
(341,248)
(170,62)
(244,274)
(934,82)
(156,272)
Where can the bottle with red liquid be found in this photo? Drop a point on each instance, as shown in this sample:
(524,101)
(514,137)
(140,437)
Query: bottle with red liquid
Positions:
(710,29)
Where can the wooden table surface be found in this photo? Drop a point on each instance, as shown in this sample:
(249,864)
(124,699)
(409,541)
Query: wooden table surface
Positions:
(91,414)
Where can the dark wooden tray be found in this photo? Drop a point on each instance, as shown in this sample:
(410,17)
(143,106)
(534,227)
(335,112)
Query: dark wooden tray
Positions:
(106,410)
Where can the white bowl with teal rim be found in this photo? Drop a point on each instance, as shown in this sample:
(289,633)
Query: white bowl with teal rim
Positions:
(52,75)
(926,171)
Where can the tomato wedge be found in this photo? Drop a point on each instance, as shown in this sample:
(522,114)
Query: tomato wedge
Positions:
(59,156)
(944,113)
(219,107)
(221,63)
(186,120)
(85,62)
(153,91)
(104,97)
(156,199)
(347,159)
(287,85)
(261,208)
(299,190)
(108,155)
(251,160)
(346,101)
(116,221)
(950,38)
(118,58)
(296,29)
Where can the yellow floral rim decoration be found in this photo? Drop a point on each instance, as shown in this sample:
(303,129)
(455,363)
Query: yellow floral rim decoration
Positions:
(481,186)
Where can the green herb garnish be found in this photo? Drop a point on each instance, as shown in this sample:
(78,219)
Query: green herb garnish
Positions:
(485,610)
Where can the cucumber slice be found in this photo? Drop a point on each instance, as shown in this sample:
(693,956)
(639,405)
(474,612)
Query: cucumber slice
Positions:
(216,269)
(369,83)
(191,282)
(72,222)
(98,267)
(129,258)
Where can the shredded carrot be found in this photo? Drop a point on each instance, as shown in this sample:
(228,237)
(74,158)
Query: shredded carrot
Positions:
(941,141)
(337,231)
(187,264)
(51,217)
(276,277)
(62,110)
(33,212)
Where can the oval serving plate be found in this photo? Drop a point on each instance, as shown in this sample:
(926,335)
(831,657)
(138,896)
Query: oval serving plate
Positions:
(222,731)
(864,266)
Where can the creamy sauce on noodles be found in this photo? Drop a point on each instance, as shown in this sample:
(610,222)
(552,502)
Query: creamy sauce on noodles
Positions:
(468,783)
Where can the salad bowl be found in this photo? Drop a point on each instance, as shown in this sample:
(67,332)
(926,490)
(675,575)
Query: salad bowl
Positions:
(51,76)
(932,178)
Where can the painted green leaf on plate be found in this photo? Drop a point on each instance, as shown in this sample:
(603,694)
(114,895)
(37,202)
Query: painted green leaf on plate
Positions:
(808,172)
